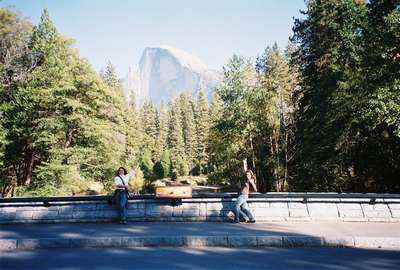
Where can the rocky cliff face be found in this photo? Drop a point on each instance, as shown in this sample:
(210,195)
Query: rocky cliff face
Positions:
(165,72)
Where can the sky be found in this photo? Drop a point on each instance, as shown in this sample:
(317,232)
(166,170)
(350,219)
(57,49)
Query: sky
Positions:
(212,30)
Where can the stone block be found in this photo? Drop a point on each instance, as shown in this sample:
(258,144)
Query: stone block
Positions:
(341,241)
(96,242)
(177,212)
(109,214)
(278,205)
(203,209)
(259,204)
(189,205)
(191,212)
(201,241)
(66,210)
(298,212)
(136,205)
(86,214)
(301,241)
(375,207)
(45,215)
(269,241)
(376,211)
(43,243)
(377,242)
(349,206)
(128,241)
(8,209)
(23,215)
(105,206)
(8,244)
(214,213)
(136,213)
(395,213)
(170,241)
(351,213)
(297,205)
(85,207)
(7,216)
(323,210)
(394,206)
(159,210)
(217,206)
(242,241)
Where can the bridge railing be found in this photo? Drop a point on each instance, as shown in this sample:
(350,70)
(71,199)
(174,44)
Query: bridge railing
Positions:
(276,196)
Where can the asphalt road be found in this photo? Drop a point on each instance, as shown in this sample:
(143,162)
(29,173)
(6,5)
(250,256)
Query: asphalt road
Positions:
(206,258)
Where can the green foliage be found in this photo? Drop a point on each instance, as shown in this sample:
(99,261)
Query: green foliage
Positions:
(137,183)
(146,164)
(347,51)
(166,165)
(175,137)
(328,120)
(63,123)
(109,76)
(180,167)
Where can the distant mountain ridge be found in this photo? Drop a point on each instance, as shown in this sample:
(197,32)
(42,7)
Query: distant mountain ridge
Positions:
(165,72)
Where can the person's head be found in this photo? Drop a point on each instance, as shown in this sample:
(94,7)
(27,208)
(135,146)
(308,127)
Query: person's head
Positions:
(250,175)
(121,171)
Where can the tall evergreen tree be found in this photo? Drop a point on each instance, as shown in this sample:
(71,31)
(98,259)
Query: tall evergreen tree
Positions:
(202,129)
(109,76)
(148,118)
(62,122)
(188,128)
(175,133)
(162,130)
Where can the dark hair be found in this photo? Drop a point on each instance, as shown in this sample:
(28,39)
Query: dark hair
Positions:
(252,174)
(125,172)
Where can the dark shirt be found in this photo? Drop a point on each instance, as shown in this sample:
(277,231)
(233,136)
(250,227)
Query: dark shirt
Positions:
(245,188)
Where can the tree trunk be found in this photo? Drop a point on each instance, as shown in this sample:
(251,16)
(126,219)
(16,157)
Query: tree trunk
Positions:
(29,161)
(69,137)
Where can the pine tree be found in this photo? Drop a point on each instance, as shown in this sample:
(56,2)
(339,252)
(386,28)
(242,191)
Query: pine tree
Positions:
(148,118)
(202,130)
(274,116)
(188,126)
(109,76)
(30,110)
(329,44)
(162,131)
(175,133)
(133,135)
(64,124)
(163,167)
(231,133)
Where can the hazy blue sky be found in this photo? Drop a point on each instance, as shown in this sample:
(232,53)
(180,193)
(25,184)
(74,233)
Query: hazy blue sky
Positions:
(119,30)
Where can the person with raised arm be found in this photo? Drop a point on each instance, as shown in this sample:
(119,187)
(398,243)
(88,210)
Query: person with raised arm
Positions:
(241,206)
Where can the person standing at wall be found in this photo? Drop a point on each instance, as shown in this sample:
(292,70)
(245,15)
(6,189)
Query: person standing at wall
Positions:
(241,206)
(121,182)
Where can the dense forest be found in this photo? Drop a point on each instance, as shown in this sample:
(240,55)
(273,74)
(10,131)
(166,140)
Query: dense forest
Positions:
(321,115)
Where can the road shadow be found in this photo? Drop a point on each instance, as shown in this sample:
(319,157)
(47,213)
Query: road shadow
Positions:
(204,258)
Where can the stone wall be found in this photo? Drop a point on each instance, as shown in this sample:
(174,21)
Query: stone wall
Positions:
(205,209)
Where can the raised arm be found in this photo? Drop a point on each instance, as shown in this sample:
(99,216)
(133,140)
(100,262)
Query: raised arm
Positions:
(133,171)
